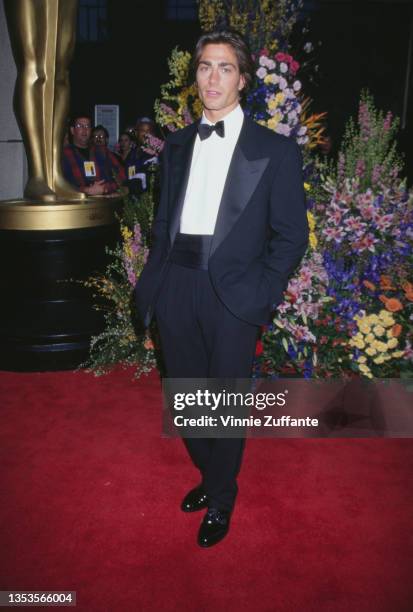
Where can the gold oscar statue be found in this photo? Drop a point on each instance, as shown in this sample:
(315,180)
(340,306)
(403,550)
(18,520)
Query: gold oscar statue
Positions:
(42,34)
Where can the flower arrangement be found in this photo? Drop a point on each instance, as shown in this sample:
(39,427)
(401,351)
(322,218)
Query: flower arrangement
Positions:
(263,24)
(121,342)
(276,102)
(347,311)
(383,339)
(179,104)
(358,320)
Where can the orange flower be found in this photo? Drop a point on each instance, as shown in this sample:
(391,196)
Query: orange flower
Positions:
(391,304)
(407,287)
(369,285)
(148,344)
(396,330)
(385,283)
(409,296)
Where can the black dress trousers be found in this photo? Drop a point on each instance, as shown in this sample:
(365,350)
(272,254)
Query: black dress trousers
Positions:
(201,338)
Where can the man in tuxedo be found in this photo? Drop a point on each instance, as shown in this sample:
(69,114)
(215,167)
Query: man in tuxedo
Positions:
(230,229)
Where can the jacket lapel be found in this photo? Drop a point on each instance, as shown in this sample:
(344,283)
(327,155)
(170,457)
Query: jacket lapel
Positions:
(244,174)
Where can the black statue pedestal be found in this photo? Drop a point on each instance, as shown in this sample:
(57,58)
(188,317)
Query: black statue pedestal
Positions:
(46,322)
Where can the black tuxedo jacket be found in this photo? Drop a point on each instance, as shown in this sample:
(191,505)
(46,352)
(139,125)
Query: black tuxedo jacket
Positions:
(261,231)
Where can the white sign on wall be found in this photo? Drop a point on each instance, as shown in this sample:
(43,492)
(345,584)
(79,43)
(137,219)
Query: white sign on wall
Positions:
(108,116)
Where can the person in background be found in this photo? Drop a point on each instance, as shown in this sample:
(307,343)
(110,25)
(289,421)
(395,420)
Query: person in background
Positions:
(100,136)
(130,157)
(144,127)
(92,170)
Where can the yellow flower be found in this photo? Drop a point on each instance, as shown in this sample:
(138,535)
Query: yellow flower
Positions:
(386,319)
(398,354)
(381,347)
(273,122)
(307,187)
(371,351)
(373,319)
(392,343)
(272,103)
(362,359)
(364,328)
(280,97)
(364,368)
(313,240)
(270,78)
(370,338)
(126,232)
(379,359)
(310,216)
(378,330)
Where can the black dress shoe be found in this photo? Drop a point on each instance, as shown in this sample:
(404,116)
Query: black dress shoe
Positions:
(214,527)
(195,500)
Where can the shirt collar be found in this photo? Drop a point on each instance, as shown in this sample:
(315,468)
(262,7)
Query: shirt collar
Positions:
(232,121)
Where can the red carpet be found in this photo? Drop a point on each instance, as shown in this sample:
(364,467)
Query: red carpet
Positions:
(90,502)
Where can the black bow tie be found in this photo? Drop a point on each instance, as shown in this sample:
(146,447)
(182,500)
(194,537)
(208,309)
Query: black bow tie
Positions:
(205,130)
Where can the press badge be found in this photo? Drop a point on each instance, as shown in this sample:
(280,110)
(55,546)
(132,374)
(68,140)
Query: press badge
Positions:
(131,172)
(90,169)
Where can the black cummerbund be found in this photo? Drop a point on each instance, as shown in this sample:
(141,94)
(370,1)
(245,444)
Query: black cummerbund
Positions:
(191,251)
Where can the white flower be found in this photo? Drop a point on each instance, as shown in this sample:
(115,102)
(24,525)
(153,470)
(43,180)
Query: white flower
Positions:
(263,61)
(302,130)
(283,67)
(261,73)
(270,64)
(308,47)
(292,114)
(282,83)
(284,129)
(296,85)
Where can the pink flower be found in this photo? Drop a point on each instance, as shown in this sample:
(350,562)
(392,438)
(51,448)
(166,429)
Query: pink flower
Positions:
(366,243)
(367,211)
(280,56)
(375,175)
(153,145)
(335,214)
(294,66)
(353,224)
(387,122)
(383,222)
(334,233)
(360,167)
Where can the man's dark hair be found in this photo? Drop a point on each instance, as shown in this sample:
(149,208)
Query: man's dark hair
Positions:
(74,118)
(101,128)
(240,47)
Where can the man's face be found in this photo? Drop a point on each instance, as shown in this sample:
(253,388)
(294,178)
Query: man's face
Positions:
(100,138)
(218,79)
(143,130)
(81,132)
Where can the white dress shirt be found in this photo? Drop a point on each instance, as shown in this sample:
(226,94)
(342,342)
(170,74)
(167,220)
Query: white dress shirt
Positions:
(209,168)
